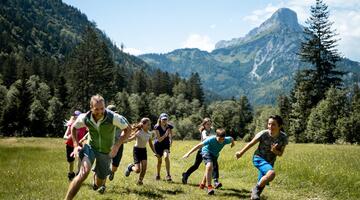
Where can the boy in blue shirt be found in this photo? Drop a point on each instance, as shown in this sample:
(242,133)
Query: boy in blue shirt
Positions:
(211,148)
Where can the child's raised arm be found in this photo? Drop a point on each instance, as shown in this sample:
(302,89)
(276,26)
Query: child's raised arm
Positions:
(198,146)
(247,147)
(152,146)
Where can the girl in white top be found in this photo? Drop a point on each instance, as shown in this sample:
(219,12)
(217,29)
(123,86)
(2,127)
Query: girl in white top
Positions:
(142,135)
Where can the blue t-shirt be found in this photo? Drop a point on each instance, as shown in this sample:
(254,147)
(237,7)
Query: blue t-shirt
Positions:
(212,146)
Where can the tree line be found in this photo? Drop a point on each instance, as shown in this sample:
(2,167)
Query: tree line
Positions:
(38,93)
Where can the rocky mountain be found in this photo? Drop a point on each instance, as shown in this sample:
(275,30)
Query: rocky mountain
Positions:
(260,65)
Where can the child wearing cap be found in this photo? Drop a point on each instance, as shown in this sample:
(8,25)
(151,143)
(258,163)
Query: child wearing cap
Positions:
(211,148)
(69,142)
(163,140)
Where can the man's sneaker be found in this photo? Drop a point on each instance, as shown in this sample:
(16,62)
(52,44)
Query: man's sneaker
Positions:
(111,176)
(168,178)
(201,186)
(128,169)
(71,175)
(184,178)
(157,177)
(139,182)
(255,193)
(102,189)
(210,190)
(217,185)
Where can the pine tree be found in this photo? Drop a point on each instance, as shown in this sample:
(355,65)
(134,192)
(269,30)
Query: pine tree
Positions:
(284,107)
(246,115)
(139,81)
(90,71)
(25,98)
(194,85)
(319,50)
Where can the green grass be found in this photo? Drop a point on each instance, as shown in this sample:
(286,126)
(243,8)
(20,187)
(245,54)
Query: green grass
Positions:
(36,168)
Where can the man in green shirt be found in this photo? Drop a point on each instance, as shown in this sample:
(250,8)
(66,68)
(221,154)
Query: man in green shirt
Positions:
(101,146)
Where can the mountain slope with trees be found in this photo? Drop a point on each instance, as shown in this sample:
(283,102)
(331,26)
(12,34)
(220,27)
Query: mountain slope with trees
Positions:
(261,65)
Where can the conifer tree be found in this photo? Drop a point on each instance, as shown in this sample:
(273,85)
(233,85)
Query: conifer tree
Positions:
(319,50)
(194,86)
(91,71)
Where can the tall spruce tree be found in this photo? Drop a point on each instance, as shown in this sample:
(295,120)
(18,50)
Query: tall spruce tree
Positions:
(319,50)
(194,85)
(91,71)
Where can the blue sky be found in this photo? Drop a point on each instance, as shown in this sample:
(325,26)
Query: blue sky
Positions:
(160,26)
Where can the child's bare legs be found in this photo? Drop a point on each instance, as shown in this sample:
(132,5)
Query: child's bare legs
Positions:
(113,168)
(158,167)
(208,172)
(269,176)
(143,166)
(136,168)
(167,162)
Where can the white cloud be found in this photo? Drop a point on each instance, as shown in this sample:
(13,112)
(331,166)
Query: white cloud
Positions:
(133,51)
(344,14)
(202,42)
(260,15)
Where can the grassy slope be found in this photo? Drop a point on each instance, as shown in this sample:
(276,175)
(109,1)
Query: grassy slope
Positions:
(36,168)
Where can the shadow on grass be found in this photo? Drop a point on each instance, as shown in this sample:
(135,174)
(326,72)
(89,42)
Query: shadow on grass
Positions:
(232,192)
(171,192)
(149,194)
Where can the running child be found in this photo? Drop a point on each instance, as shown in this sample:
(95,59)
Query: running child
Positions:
(272,142)
(70,145)
(205,130)
(142,136)
(115,162)
(163,140)
(211,148)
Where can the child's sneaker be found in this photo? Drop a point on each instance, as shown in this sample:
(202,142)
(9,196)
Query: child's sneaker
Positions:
(128,169)
(217,185)
(102,189)
(210,190)
(201,186)
(139,182)
(157,177)
(168,178)
(255,193)
(71,176)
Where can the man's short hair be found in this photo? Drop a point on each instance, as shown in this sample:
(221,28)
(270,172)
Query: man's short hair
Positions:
(95,99)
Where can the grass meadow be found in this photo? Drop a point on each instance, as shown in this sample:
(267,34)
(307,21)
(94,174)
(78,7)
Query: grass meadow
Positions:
(36,168)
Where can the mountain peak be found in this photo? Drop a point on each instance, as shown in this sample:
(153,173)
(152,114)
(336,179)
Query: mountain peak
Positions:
(284,16)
